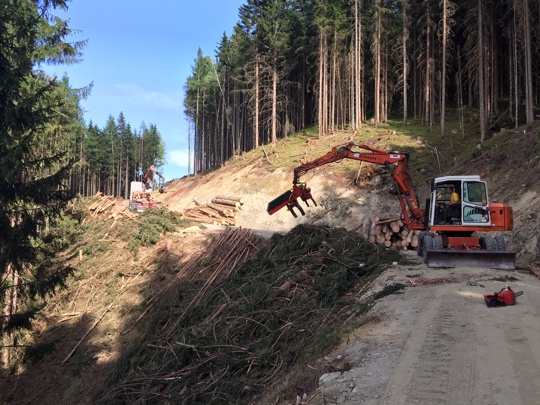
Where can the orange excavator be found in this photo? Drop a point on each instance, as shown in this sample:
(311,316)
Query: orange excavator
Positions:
(457,209)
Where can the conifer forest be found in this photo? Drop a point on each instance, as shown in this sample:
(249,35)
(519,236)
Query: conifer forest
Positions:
(48,155)
(339,64)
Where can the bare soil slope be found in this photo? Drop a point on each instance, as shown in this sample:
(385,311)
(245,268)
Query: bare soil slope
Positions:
(510,169)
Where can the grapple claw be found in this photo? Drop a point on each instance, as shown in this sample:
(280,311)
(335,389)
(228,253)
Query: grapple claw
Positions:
(289,199)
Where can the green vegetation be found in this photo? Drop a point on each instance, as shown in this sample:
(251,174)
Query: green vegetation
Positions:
(33,160)
(151,226)
(286,306)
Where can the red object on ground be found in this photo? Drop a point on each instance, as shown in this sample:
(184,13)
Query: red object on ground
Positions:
(508,296)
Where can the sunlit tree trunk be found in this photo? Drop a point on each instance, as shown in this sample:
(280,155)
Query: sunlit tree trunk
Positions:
(274,97)
(404,59)
(257,101)
(333,92)
(443,67)
(529,104)
(321,86)
(377,50)
(481,89)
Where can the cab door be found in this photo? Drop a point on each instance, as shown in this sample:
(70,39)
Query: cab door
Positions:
(475,206)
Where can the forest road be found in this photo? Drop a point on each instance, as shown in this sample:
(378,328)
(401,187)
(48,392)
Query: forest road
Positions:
(441,344)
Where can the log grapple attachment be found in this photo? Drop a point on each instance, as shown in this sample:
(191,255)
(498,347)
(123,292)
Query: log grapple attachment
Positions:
(290,198)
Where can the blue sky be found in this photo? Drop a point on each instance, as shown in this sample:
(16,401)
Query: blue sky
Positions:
(139,55)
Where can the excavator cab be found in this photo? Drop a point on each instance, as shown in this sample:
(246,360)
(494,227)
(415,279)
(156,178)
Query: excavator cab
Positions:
(458,207)
(459,200)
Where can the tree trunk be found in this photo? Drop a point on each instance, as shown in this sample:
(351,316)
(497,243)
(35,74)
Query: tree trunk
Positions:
(321,87)
(404,37)
(126,181)
(443,74)
(529,104)
(257,95)
(377,46)
(481,94)
(274,97)
(427,84)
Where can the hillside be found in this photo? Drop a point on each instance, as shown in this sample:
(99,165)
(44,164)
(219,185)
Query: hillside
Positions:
(115,333)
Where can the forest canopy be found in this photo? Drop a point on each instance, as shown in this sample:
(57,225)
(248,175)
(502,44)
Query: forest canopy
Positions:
(338,64)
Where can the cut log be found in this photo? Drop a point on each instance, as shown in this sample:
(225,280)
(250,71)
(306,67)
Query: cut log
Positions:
(395,227)
(210,212)
(222,209)
(385,221)
(226,202)
(410,236)
(231,198)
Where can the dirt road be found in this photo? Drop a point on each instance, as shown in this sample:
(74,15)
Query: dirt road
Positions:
(440,344)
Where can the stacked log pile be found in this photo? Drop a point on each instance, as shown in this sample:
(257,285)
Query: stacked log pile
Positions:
(393,234)
(222,210)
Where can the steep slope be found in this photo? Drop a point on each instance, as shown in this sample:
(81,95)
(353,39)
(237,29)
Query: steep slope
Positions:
(509,162)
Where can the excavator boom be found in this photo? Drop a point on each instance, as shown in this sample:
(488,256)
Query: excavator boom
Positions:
(396,163)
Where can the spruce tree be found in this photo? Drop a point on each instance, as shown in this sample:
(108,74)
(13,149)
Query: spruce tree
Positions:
(35,171)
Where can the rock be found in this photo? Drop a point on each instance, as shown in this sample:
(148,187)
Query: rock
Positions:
(327,377)
(191,229)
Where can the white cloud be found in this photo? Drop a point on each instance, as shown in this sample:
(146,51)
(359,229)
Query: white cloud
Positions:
(178,157)
(138,95)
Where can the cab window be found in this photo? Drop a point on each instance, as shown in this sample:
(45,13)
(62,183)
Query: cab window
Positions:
(475,193)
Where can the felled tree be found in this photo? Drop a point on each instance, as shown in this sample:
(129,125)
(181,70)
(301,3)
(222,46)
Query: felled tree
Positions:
(34,168)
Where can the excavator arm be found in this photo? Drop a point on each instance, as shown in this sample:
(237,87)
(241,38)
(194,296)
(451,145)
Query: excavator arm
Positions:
(396,163)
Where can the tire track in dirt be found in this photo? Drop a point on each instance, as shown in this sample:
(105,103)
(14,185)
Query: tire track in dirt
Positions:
(441,344)
(436,365)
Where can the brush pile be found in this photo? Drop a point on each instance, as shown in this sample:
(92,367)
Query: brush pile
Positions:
(222,210)
(245,311)
(107,206)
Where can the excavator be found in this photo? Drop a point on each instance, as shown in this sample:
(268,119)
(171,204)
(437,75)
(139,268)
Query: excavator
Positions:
(457,209)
